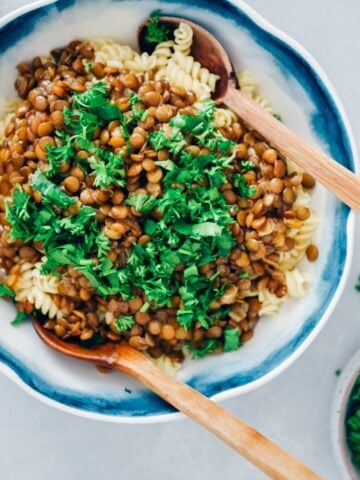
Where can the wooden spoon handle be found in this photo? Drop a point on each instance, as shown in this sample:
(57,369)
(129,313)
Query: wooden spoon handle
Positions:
(336,178)
(256,448)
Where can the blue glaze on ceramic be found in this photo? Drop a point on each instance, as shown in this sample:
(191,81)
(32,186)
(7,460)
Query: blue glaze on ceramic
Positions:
(328,126)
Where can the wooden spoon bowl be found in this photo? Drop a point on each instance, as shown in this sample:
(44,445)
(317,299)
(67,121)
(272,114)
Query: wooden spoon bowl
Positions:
(207,50)
(270,458)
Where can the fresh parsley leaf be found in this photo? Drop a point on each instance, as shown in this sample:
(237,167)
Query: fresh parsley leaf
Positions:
(50,191)
(108,172)
(278,117)
(5,291)
(166,164)
(59,154)
(231,339)
(103,245)
(156,32)
(243,188)
(76,224)
(142,203)
(20,317)
(244,275)
(210,346)
(94,97)
(247,165)
(125,322)
(19,213)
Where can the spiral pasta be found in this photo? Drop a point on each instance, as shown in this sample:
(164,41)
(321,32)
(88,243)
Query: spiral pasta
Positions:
(183,38)
(110,53)
(166,364)
(163,52)
(7,108)
(37,289)
(249,86)
(141,63)
(270,303)
(297,283)
(224,117)
(302,236)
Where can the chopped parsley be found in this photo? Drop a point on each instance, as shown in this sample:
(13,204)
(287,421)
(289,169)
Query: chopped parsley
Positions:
(125,322)
(193,225)
(210,346)
(156,32)
(353,423)
(20,317)
(5,291)
(231,340)
(244,189)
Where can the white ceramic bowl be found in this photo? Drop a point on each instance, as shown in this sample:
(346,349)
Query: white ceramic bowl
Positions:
(302,94)
(338,414)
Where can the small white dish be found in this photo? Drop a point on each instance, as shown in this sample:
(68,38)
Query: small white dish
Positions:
(338,414)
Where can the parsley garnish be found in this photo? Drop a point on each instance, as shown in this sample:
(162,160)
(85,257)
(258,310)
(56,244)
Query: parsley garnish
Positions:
(5,291)
(108,173)
(51,193)
(20,317)
(210,346)
(156,32)
(244,189)
(353,423)
(125,322)
(231,340)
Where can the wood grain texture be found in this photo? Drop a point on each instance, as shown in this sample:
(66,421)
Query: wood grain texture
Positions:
(336,178)
(251,444)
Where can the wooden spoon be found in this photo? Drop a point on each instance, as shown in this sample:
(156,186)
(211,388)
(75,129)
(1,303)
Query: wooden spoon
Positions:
(209,52)
(268,457)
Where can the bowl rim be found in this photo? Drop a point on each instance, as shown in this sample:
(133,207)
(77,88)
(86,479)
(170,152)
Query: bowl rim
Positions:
(339,405)
(268,27)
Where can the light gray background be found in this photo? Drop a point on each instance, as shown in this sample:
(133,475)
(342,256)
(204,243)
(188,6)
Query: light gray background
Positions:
(37,442)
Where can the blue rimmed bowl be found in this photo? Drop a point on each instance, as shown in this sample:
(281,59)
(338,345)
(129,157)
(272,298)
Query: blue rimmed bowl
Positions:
(300,91)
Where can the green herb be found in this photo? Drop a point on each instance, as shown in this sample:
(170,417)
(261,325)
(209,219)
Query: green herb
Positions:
(244,189)
(338,372)
(142,202)
(51,193)
(278,117)
(103,245)
(20,317)
(353,423)
(231,340)
(156,32)
(94,97)
(357,287)
(19,214)
(5,291)
(108,172)
(244,275)
(125,322)
(59,154)
(247,165)
(76,224)
(128,390)
(210,346)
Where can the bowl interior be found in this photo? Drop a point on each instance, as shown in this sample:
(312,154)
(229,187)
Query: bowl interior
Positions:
(299,92)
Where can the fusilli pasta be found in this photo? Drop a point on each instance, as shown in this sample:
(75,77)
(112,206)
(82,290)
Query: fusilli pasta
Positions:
(183,38)
(37,289)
